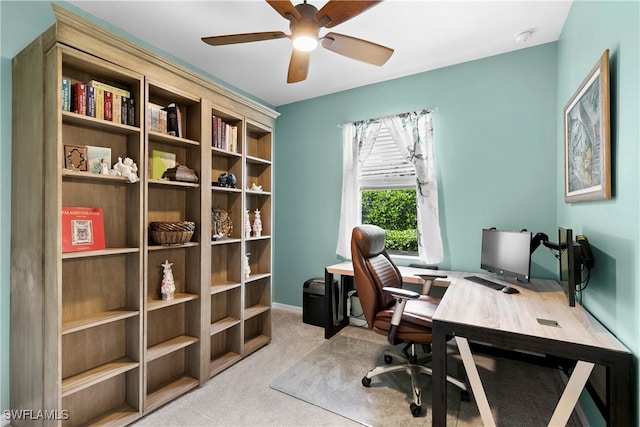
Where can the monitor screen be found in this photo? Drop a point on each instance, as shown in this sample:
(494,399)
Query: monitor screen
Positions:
(507,253)
(569,263)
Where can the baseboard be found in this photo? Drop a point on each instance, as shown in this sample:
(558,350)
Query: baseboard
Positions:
(287,307)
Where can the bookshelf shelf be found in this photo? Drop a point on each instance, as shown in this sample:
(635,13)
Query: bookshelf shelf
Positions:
(162,349)
(109,349)
(91,122)
(169,392)
(97,319)
(179,298)
(96,375)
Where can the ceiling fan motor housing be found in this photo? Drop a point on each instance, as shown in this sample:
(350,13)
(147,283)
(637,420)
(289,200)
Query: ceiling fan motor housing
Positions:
(305,27)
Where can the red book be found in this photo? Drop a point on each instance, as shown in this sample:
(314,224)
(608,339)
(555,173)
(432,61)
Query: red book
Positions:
(108,106)
(79,98)
(82,229)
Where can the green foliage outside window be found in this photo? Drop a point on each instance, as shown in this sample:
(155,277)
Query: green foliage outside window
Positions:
(396,212)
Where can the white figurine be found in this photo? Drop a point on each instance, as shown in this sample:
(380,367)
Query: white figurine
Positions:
(247,224)
(257,224)
(104,167)
(256,187)
(247,267)
(127,169)
(168,286)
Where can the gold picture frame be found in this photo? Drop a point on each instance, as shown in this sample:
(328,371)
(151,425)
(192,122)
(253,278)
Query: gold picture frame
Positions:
(587,138)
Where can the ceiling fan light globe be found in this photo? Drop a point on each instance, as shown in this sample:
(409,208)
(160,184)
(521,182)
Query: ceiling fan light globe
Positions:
(305,43)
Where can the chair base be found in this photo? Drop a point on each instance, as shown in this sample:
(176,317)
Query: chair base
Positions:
(414,368)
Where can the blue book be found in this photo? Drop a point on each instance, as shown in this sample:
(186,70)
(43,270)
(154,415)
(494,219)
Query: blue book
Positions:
(91,101)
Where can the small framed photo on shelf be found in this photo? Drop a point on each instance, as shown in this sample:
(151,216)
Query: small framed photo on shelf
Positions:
(587,138)
(95,155)
(75,157)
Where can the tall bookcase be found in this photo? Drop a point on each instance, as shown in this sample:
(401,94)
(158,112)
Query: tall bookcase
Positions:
(92,340)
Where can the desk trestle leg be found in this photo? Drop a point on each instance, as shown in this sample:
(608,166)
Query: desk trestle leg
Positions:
(571,393)
(474,381)
(567,402)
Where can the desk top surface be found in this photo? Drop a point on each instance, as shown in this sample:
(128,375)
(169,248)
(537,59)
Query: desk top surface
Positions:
(472,304)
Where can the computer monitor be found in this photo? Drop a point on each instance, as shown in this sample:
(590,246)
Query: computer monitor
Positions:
(507,253)
(570,271)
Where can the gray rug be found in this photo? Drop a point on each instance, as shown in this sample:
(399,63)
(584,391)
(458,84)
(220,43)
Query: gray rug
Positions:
(330,377)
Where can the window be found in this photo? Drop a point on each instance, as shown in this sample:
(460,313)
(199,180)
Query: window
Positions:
(386,158)
(387,183)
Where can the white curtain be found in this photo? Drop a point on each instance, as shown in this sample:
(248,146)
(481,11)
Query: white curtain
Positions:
(358,139)
(413,132)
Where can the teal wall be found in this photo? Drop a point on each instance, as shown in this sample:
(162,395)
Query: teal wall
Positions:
(495,148)
(613,226)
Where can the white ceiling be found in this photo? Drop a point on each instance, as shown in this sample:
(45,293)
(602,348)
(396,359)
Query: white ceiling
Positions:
(425,34)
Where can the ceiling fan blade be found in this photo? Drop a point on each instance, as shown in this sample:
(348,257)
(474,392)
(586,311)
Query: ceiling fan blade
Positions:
(243,38)
(284,7)
(298,66)
(339,11)
(358,49)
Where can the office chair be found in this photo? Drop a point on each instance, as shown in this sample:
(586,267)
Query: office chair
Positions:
(402,315)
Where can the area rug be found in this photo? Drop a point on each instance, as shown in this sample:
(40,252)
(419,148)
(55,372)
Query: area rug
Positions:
(330,377)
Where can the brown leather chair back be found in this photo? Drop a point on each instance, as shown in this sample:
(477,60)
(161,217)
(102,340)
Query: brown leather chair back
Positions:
(373,270)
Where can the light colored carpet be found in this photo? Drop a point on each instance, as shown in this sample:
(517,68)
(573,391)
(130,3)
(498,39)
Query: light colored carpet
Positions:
(241,396)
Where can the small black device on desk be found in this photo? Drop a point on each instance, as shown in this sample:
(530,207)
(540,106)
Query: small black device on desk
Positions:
(493,285)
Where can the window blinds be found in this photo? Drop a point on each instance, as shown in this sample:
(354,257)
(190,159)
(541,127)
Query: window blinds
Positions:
(386,167)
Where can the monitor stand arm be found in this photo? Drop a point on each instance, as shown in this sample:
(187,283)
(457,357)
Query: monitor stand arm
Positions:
(544,239)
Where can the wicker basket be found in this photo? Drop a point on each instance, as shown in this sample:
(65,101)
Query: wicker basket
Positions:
(171,233)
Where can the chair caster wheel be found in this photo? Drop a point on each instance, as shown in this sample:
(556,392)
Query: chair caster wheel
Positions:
(366,381)
(415,410)
(465,396)
(388,359)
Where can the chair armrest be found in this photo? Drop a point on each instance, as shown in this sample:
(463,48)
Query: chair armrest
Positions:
(400,293)
(401,296)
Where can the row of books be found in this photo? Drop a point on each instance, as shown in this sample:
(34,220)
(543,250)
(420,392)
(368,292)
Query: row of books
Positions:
(99,100)
(166,120)
(225,136)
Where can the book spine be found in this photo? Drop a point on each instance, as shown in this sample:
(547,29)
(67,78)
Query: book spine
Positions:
(131,112)
(99,104)
(108,106)
(91,101)
(124,110)
(117,109)
(173,125)
(79,98)
(66,95)
(113,89)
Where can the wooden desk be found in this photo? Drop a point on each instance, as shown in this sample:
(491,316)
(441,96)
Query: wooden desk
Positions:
(472,311)
(335,308)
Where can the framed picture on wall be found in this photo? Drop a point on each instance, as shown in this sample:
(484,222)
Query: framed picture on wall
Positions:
(587,138)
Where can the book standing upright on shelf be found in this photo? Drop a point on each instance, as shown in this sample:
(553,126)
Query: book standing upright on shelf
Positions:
(174,120)
(82,229)
(79,98)
(66,94)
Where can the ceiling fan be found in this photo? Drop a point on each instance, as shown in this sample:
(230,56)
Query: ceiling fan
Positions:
(305,24)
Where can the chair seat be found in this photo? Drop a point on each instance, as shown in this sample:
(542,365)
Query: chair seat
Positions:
(415,325)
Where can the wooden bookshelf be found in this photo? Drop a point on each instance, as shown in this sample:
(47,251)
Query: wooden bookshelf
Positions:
(91,334)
